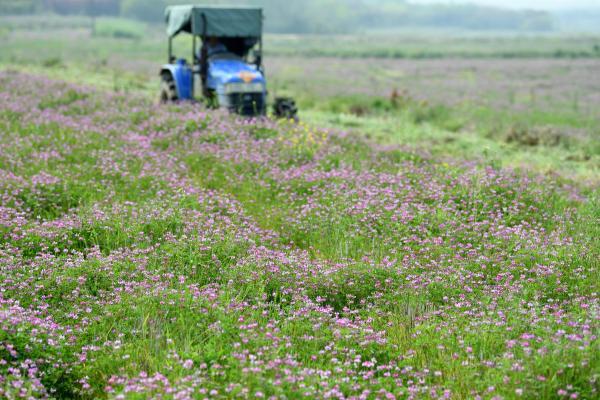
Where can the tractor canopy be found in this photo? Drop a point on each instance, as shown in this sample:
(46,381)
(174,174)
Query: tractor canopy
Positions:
(206,21)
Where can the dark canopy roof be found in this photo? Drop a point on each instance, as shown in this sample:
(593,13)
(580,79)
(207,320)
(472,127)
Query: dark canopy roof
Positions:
(220,22)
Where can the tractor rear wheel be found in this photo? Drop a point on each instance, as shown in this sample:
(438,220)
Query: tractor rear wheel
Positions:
(168,90)
(285,108)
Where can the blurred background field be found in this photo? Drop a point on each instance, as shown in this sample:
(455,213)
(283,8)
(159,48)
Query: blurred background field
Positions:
(520,88)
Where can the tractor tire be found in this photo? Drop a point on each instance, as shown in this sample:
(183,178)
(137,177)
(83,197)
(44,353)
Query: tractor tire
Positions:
(285,108)
(168,90)
(210,99)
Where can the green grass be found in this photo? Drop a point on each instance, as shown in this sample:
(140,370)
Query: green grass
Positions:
(508,139)
(564,142)
(561,138)
(163,276)
(119,28)
(154,274)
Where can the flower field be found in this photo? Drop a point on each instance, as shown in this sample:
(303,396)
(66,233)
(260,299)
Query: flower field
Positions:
(175,253)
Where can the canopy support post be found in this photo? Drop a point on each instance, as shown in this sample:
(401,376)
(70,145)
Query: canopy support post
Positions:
(193,61)
(260,46)
(204,56)
(170,50)
(259,58)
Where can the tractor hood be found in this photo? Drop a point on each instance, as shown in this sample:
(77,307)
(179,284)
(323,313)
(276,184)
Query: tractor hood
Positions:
(225,72)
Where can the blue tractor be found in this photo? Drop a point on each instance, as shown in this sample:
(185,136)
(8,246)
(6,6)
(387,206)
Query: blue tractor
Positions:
(223,41)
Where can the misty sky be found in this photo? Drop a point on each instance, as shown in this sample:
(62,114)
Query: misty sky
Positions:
(537,4)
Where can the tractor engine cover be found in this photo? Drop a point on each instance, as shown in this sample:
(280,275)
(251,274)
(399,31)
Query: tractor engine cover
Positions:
(239,87)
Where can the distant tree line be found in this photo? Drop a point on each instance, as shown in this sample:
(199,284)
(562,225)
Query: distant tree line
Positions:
(63,7)
(313,16)
(18,6)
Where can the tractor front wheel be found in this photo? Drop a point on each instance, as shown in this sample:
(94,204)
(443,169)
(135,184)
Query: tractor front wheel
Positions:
(285,108)
(168,90)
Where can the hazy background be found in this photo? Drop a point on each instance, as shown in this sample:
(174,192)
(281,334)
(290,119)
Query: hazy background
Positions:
(521,4)
(358,16)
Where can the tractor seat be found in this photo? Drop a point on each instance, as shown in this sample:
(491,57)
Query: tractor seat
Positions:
(225,56)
